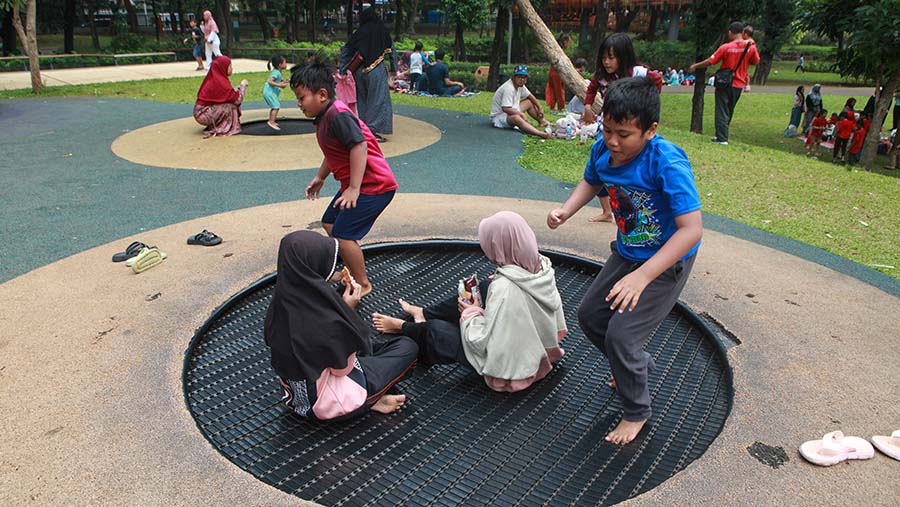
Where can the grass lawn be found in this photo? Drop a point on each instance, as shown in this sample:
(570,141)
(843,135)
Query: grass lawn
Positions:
(761,179)
(782,73)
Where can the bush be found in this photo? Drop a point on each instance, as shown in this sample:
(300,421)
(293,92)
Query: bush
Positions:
(659,55)
(21,64)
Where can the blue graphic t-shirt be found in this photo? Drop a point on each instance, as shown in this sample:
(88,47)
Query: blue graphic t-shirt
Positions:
(646,195)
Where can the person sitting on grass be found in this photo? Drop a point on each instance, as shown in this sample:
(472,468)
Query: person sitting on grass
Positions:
(512,101)
(514,340)
(657,211)
(353,156)
(321,350)
(439,82)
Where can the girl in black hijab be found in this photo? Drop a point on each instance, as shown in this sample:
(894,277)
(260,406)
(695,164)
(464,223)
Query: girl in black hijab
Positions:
(373,42)
(320,346)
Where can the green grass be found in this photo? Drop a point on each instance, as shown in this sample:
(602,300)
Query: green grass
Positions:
(782,73)
(761,179)
(82,43)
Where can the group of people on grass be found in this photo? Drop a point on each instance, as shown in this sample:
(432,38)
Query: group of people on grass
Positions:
(322,350)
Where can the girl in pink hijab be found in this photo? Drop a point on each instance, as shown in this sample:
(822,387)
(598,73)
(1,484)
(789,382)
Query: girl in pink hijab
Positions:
(211,34)
(513,340)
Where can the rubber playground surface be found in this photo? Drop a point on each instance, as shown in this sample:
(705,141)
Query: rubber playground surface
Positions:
(91,355)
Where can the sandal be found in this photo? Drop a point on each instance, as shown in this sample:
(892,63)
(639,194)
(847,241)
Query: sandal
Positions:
(204,238)
(380,138)
(835,448)
(890,446)
(145,260)
(132,250)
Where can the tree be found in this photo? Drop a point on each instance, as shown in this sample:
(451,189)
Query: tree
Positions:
(504,11)
(776,26)
(871,49)
(824,17)
(464,14)
(27,36)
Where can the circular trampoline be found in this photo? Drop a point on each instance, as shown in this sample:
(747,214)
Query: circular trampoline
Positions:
(456,442)
(289,127)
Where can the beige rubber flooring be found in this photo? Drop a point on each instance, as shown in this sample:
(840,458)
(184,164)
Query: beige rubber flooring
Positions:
(91,361)
(187,149)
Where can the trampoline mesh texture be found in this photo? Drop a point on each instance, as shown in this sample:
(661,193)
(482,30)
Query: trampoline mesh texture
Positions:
(457,442)
(289,127)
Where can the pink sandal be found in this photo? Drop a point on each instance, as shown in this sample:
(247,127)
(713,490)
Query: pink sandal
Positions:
(890,446)
(835,448)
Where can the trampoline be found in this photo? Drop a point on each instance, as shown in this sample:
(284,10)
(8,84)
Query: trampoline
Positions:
(289,127)
(456,442)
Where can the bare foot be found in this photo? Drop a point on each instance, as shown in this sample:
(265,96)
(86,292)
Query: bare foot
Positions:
(389,403)
(273,125)
(385,324)
(605,217)
(547,135)
(612,383)
(366,289)
(625,432)
(416,312)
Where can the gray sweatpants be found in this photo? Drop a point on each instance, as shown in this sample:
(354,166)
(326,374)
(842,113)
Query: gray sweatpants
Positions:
(726,100)
(621,337)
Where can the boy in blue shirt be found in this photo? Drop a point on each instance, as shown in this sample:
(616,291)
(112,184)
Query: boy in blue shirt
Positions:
(657,211)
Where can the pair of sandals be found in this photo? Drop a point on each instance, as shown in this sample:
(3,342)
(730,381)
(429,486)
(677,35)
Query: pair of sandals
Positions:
(835,448)
(140,257)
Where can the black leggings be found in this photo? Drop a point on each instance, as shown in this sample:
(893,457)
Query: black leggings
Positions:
(840,145)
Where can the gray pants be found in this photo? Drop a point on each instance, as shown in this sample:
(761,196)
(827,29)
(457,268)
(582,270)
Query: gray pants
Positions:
(621,337)
(725,102)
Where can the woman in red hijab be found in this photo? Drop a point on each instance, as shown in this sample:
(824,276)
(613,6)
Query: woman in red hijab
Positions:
(218,106)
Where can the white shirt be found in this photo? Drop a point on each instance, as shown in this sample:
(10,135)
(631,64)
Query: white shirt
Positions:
(415,63)
(508,96)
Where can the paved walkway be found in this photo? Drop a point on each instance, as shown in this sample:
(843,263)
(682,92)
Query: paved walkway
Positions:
(92,354)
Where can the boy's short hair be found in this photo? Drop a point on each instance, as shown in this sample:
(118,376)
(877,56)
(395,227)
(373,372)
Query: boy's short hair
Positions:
(632,97)
(736,27)
(439,54)
(314,76)
(419,45)
(580,63)
(748,30)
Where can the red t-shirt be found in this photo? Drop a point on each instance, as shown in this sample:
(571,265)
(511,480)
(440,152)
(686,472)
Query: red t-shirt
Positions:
(338,130)
(818,126)
(845,128)
(730,53)
(858,138)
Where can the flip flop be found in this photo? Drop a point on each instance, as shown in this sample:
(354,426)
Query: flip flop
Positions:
(835,448)
(145,260)
(204,238)
(889,445)
(132,250)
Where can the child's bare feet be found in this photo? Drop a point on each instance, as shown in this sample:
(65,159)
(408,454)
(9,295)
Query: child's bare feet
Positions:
(366,289)
(612,383)
(416,312)
(385,324)
(389,403)
(273,125)
(625,432)
(605,217)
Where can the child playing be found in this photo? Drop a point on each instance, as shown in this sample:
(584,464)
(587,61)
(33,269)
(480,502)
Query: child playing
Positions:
(353,156)
(845,128)
(514,340)
(196,40)
(830,125)
(615,59)
(814,139)
(417,62)
(657,212)
(321,349)
(273,88)
(856,143)
(345,87)
(554,92)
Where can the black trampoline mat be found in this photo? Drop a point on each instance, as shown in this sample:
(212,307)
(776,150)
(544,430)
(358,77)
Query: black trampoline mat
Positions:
(289,127)
(456,442)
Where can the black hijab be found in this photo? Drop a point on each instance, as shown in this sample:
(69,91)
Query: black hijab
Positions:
(371,38)
(308,326)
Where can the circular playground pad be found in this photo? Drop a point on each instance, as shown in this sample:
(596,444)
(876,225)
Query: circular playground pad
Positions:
(288,126)
(456,442)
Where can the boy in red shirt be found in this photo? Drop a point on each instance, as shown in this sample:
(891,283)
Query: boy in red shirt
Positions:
(859,136)
(845,129)
(352,154)
(814,139)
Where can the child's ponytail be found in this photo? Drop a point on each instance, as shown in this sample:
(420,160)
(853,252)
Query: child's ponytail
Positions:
(275,62)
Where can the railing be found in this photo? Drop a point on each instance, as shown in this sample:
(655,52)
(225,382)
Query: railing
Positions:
(114,56)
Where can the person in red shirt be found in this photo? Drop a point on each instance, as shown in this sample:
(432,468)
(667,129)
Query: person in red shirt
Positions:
(814,139)
(856,144)
(845,129)
(730,54)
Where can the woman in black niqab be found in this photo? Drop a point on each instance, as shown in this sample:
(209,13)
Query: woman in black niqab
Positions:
(373,96)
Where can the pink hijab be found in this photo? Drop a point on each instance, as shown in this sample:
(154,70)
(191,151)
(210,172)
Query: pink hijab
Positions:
(506,239)
(209,24)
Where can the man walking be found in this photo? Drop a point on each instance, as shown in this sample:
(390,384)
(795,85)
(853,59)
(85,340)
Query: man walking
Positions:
(737,55)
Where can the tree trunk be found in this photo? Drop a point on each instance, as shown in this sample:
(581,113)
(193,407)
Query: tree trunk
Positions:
(179,4)
(493,79)
(623,20)
(459,47)
(655,13)
(600,18)
(132,17)
(697,101)
(761,76)
(584,31)
(314,20)
(226,36)
(558,59)
(882,105)
(9,34)
(260,12)
(95,37)
(398,20)
(157,19)
(412,17)
(28,38)
(69,27)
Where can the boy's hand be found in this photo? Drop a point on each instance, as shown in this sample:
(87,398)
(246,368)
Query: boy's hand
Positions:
(347,199)
(314,187)
(352,294)
(627,291)
(462,305)
(556,218)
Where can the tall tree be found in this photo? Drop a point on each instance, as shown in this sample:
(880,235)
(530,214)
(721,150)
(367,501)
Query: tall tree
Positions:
(504,11)
(625,14)
(464,14)
(558,59)
(223,20)
(132,16)
(27,33)
(259,12)
(601,17)
(777,16)
(871,49)
(9,32)
(824,17)
(70,19)
(92,14)
(313,10)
